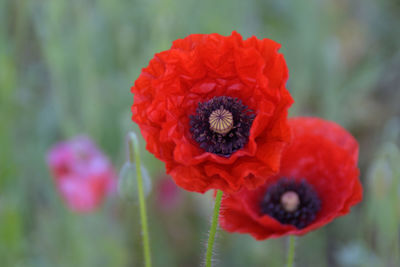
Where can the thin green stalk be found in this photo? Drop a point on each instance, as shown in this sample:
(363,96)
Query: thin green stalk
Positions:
(213,230)
(134,158)
(291,250)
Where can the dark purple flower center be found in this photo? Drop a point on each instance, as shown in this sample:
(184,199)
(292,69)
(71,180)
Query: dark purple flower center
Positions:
(221,125)
(291,202)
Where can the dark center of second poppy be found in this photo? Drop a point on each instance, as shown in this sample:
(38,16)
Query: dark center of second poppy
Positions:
(222,125)
(291,202)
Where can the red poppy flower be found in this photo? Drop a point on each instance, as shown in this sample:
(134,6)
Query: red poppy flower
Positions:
(82,174)
(318,182)
(214,109)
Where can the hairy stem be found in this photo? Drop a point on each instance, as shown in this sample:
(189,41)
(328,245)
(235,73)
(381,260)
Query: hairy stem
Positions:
(291,251)
(134,158)
(213,230)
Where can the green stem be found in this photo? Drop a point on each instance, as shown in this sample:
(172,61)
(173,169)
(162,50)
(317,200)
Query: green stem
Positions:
(213,229)
(134,158)
(291,250)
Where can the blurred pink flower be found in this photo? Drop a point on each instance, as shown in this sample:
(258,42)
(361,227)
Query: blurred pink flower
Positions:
(168,195)
(82,173)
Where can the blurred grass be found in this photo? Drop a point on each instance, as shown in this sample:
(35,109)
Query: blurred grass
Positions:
(66,68)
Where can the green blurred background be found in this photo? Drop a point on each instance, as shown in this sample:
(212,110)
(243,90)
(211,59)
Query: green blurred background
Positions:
(66,68)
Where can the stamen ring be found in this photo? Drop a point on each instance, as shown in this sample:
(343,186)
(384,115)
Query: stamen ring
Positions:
(221,125)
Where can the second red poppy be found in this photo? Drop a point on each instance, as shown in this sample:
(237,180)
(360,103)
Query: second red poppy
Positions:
(318,182)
